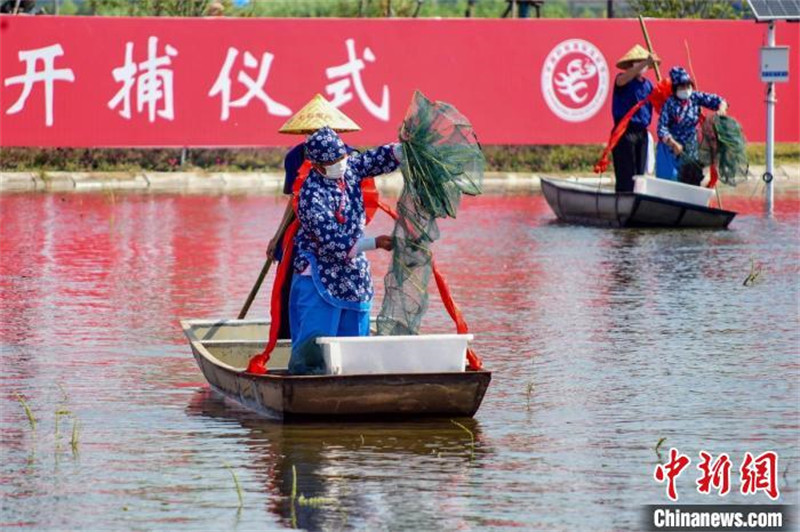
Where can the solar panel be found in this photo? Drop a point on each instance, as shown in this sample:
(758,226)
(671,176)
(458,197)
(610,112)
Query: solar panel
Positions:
(766,10)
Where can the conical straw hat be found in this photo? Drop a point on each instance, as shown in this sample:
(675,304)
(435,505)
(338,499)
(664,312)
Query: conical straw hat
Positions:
(316,114)
(635,54)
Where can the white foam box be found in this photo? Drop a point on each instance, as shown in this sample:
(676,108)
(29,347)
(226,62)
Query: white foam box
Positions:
(672,190)
(369,355)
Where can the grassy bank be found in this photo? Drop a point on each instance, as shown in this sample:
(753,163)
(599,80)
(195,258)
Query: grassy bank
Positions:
(347,8)
(543,159)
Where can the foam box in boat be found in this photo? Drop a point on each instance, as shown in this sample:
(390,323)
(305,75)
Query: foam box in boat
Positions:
(672,190)
(430,353)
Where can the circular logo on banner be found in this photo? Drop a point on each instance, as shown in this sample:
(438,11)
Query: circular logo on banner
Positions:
(575,80)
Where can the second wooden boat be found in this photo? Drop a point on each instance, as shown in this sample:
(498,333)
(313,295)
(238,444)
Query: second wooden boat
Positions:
(589,205)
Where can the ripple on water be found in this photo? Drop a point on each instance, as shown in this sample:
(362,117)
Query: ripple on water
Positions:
(601,343)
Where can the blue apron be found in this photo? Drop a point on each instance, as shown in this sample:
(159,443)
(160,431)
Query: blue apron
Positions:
(667,164)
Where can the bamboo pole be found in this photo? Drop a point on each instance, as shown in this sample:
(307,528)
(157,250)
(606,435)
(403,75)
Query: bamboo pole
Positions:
(264,271)
(255,289)
(649,46)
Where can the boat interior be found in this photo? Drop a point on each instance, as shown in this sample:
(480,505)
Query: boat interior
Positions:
(234,342)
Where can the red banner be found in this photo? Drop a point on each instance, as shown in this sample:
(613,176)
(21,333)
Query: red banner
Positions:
(95,81)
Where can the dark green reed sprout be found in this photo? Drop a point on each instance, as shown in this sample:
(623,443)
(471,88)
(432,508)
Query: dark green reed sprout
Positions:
(59,413)
(28,412)
(236,485)
(657,448)
(302,500)
(74,440)
(314,502)
(294,483)
(292,497)
(64,396)
(471,437)
(755,273)
(529,393)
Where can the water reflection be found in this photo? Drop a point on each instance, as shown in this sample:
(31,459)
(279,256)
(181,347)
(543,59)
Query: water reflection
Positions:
(600,341)
(334,463)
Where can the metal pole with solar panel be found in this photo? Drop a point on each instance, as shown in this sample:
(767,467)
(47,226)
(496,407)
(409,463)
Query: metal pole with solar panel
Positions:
(774,69)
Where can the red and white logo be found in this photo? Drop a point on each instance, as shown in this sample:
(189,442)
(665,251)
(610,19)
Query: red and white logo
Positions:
(575,80)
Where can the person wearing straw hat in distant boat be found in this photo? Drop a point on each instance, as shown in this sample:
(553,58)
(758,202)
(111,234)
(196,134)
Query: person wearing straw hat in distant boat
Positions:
(316,114)
(630,87)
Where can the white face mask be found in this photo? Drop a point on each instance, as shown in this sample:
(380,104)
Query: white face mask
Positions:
(643,71)
(336,170)
(683,94)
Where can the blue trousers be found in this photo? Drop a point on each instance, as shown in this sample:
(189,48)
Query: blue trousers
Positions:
(310,317)
(667,164)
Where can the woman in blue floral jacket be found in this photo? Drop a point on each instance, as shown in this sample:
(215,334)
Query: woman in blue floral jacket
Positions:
(332,290)
(677,125)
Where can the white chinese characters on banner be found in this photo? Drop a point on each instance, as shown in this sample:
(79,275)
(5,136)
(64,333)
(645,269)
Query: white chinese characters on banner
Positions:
(48,75)
(153,82)
(255,88)
(351,74)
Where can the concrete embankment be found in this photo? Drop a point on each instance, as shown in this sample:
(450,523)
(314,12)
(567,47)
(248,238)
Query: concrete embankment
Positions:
(787,177)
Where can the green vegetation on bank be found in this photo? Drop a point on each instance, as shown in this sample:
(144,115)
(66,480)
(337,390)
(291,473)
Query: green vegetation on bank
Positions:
(398,8)
(540,159)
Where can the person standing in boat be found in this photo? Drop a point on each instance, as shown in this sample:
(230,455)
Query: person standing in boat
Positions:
(315,114)
(630,87)
(331,292)
(677,125)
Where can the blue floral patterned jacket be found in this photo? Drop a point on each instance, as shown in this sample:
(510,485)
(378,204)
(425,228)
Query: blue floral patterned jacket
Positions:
(679,118)
(323,242)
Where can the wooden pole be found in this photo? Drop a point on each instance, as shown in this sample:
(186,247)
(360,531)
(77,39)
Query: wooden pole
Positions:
(649,46)
(256,288)
(689,59)
(264,270)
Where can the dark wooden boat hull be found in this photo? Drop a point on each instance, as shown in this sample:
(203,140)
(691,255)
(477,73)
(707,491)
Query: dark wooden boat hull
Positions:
(288,397)
(586,205)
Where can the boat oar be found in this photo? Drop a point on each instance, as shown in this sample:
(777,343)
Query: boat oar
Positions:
(256,288)
(265,269)
(649,46)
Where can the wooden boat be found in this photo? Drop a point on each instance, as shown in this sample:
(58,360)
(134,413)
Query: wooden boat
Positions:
(223,348)
(589,205)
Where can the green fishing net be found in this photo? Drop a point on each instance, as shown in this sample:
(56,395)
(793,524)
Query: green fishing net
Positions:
(441,161)
(723,143)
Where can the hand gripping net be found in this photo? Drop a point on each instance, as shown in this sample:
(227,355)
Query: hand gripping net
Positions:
(441,161)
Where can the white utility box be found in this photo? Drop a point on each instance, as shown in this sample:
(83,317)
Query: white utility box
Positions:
(672,190)
(360,355)
(774,64)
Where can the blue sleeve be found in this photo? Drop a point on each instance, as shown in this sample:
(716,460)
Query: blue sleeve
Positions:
(292,163)
(663,121)
(319,220)
(707,100)
(373,162)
